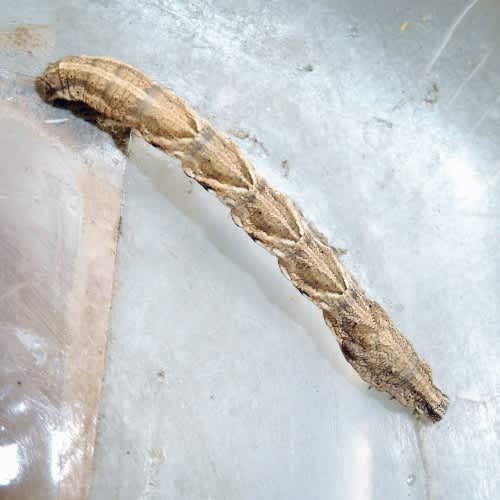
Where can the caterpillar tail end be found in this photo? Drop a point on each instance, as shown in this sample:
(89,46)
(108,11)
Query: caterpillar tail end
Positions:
(49,86)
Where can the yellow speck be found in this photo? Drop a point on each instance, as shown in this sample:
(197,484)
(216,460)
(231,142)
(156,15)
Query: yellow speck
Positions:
(157,455)
(403,27)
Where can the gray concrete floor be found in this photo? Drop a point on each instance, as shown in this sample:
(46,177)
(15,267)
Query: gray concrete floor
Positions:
(380,119)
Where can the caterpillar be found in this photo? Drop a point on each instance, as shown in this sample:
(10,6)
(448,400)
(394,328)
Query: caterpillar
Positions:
(126,98)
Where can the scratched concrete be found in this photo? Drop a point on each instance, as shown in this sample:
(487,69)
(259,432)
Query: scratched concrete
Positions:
(381,120)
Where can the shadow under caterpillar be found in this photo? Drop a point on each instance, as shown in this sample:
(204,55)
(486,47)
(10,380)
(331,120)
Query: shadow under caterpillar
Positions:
(125,99)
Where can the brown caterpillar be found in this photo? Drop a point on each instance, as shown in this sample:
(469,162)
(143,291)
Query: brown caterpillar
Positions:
(371,343)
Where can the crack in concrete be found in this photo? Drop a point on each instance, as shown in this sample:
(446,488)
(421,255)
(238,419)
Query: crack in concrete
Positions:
(419,430)
(479,401)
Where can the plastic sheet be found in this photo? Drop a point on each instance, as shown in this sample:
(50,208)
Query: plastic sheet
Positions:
(58,229)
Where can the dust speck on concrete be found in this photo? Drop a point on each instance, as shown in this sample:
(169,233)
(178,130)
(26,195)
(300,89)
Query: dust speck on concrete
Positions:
(244,135)
(308,68)
(353,31)
(28,37)
(433,94)
(383,121)
(286,167)
(239,133)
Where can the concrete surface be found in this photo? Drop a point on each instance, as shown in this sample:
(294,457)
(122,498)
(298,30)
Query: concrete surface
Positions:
(381,120)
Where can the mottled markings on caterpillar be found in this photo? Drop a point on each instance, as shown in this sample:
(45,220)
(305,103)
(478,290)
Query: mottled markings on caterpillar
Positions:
(370,341)
(269,217)
(230,176)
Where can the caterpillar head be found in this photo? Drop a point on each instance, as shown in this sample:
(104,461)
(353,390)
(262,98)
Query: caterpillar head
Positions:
(427,399)
(433,408)
(380,354)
